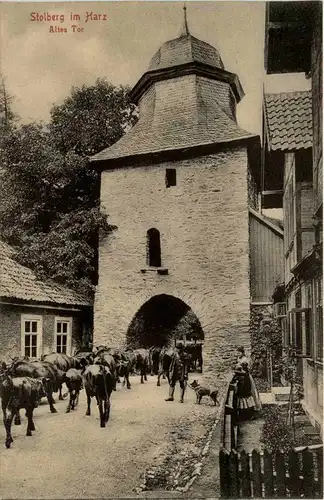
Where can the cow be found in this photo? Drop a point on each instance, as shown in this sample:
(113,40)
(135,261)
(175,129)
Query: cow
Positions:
(118,355)
(99,382)
(84,359)
(99,349)
(164,363)
(106,359)
(123,370)
(125,363)
(142,363)
(130,355)
(154,360)
(16,393)
(63,362)
(73,381)
(39,369)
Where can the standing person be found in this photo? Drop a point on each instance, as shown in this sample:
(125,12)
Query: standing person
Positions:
(242,360)
(245,401)
(241,356)
(178,371)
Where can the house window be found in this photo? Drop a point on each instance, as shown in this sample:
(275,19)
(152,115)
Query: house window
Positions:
(309,330)
(170,177)
(286,331)
(309,334)
(153,248)
(63,335)
(298,301)
(31,336)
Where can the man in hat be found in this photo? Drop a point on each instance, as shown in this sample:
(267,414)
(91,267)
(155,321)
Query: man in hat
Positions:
(178,372)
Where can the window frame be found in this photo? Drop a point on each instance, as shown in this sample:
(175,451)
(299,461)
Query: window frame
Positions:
(301,317)
(153,248)
(69,321)
(170,174)
(39,334)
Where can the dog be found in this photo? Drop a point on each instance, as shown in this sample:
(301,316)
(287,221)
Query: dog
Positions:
(202,391)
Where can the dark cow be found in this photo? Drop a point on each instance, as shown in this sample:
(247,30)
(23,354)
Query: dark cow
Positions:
(164,363)
(154,360)
(123,370)
(63,362)
(39,369)
(73,381)
(124,361)
(118,356)
(104,358)
(99,349)
(130,355)
(142,363)
(125,364)
(16,393)
(99,383)
(84,358)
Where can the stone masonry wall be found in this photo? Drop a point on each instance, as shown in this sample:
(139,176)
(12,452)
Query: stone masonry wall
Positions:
(203,222)
(10,328)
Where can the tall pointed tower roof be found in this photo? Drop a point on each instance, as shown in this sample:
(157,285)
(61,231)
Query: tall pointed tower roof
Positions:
(187,100)
(185,49)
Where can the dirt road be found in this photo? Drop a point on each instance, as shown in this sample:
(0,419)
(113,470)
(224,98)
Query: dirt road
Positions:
(70,456)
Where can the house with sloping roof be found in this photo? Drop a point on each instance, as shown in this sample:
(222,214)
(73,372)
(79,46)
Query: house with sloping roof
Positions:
(292,180)
(39,317)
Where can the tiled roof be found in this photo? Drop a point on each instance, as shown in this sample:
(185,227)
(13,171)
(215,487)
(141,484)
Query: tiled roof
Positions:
(183,50)
(201,121)
(289,120)
(19,282)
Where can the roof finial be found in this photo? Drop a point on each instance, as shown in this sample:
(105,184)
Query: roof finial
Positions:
(184,29)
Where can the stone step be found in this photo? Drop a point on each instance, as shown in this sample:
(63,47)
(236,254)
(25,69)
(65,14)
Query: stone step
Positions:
(267,398)
(281,393)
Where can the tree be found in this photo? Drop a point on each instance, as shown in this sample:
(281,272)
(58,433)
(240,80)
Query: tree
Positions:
(50,210)
(92,118)
(7,116)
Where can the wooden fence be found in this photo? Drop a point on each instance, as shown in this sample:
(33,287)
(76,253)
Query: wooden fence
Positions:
(229,432)
(297,474)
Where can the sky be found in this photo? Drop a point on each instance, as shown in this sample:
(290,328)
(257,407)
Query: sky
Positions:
(40,67)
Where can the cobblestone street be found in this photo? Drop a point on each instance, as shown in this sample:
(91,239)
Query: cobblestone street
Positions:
(70,456)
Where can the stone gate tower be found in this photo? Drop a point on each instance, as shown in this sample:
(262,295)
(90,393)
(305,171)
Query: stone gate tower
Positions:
(178,186)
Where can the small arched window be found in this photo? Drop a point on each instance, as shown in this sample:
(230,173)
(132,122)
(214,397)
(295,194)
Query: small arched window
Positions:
(153,248)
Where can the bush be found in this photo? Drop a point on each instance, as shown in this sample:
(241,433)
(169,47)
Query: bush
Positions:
(276,434)
(262,385)
(264,335)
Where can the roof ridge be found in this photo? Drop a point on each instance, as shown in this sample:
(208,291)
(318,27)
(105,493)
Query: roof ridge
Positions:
(293,92)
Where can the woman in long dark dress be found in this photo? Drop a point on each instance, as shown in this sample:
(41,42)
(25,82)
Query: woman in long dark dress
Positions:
(245,400)
(242,360)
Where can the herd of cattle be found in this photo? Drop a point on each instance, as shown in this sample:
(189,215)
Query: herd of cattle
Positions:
(23,382)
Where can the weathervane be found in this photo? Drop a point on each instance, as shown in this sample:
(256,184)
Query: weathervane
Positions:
(184,29)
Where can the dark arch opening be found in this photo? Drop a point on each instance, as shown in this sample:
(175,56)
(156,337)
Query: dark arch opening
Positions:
(153,248)
(161,320)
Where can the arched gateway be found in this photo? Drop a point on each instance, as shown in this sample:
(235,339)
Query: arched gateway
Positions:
(161,320)
(178,186)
